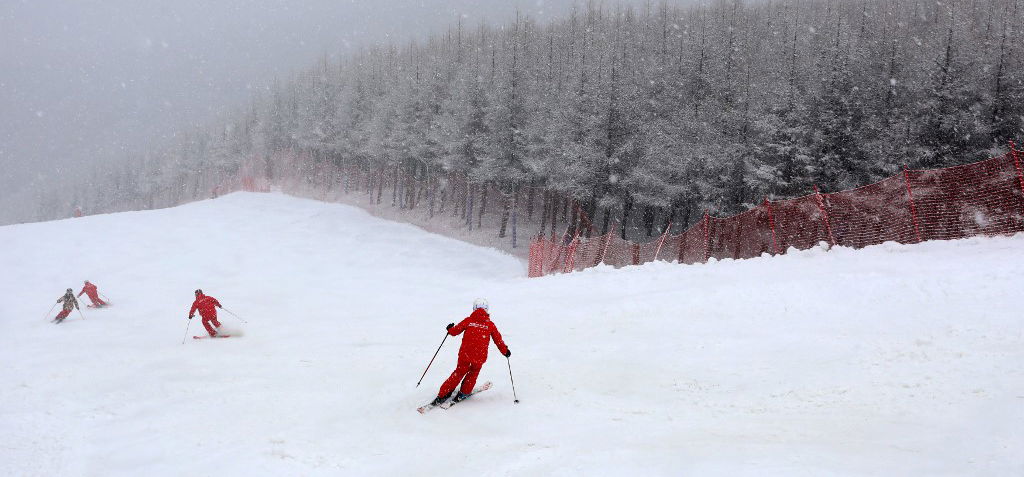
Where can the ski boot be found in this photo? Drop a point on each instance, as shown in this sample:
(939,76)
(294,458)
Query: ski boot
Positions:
(440,399)
(460,397)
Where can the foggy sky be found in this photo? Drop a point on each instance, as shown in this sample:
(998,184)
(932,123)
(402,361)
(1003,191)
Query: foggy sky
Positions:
(81,80)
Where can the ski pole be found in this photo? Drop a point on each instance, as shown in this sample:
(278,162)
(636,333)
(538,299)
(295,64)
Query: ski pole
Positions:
(514,396)
(79,310)
(186,331)
(236,316)
(105,298)
(51,311)
(432,359)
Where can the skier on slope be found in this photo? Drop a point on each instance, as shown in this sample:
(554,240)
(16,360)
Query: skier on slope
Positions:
(70,303)
(207,306)
(93,293)
(473,352)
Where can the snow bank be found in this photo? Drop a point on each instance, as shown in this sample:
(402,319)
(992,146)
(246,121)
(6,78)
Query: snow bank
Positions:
(899,360)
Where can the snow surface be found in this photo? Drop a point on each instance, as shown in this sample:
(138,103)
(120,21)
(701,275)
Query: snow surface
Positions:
(893,360)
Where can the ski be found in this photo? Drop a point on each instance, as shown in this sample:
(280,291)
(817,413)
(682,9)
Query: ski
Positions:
(449,402)
(479,389)
(218,336)
(426,407)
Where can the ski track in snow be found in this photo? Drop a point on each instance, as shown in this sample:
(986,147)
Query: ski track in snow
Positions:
(893,360)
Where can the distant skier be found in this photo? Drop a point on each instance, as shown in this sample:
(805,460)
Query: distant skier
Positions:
(70,303)
(207,306)
(93,293)
(473,352)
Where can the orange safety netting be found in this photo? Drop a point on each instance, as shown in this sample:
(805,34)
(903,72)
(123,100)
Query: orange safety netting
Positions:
(983,198)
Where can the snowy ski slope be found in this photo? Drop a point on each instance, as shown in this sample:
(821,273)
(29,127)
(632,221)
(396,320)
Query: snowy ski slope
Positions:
(894,360)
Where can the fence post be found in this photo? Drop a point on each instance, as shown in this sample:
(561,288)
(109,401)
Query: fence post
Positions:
(771,223)
(607,242)
(824,216)
(535,254)
(707,236)
(543,254)
(913,208)
(556,252)
(682,247)
(661,242)
(570,255)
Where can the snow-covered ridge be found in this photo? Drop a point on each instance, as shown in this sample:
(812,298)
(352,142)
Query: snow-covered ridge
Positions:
(891,360)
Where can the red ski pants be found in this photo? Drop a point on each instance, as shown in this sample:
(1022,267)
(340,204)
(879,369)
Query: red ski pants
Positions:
(211,329)
(63,314)
(96,300)
(465,369)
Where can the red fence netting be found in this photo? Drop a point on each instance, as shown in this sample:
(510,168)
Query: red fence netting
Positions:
(983,198)
(963,201)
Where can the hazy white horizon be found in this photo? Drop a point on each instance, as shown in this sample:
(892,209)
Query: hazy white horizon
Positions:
(82,81)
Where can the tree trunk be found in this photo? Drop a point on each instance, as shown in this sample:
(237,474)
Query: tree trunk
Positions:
(346,176)
(444,195)
(544,213)
(505,210)
(627,207)
(415,187)
(431,192)
(529,201)
(469,207)
(573,220)
(515,213)
(380,185)
(394,187)
(463,200)
(554,213)
(591,211)
(483,205)
(649,213)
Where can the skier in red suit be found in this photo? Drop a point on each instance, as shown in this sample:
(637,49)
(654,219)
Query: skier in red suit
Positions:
(207,306)
(473,353)
(90,290)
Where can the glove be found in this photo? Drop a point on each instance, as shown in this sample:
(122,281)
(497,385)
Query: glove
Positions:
(450,325)
(190,317)
(508,353)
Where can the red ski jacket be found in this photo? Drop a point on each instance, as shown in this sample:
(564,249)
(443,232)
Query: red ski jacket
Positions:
(90,289)
(479,332)
(207,306)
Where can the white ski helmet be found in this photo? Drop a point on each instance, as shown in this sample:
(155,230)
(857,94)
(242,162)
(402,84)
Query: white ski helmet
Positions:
(479,303)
